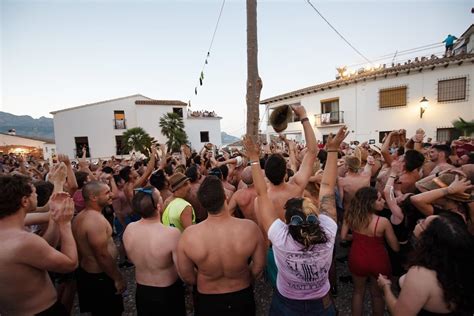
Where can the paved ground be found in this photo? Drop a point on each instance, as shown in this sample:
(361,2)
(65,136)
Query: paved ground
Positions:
(263,293)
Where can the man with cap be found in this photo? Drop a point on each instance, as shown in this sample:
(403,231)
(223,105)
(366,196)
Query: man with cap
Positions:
(178,212)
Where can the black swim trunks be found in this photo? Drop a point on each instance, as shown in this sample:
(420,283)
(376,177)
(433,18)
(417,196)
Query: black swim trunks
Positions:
(97,294)
(57,309)
(151,300)
(240,303)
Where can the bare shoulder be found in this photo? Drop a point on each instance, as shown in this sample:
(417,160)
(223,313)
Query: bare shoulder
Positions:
(418,271)
(174,232)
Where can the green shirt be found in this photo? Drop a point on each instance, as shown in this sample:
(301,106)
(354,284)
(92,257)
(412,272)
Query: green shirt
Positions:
(172,213)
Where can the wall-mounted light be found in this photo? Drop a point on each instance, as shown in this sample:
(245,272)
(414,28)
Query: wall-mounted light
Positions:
(423,106)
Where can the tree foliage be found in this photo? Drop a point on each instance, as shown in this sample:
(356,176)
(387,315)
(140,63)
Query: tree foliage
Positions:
(137,139)
(172,126)
(466,127)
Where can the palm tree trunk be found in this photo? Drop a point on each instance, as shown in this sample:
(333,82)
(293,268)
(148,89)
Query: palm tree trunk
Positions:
(254,82)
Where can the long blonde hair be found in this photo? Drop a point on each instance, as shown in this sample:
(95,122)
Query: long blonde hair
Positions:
(361,209)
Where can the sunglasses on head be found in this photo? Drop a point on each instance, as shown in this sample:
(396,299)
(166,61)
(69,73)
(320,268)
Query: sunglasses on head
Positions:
(297,220)
(148,192)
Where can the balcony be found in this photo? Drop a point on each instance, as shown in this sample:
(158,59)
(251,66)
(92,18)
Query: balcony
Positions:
(329,119)
(119,124)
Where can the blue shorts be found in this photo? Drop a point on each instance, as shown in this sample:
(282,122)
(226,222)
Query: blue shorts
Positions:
(119,228)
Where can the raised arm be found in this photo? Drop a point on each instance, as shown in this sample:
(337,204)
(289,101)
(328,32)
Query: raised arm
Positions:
(301,178)
(38,253)
(327,199)
(389,193)
(149,169)
(386,148)
(265,212)
(70,176)
(423,201)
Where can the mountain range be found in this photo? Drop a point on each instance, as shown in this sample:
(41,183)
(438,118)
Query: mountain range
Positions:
(42,127)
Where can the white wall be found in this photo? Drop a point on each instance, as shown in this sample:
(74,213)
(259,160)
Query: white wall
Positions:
(364,118)
(95,122)
(202,124)
(8,140)
(148,117)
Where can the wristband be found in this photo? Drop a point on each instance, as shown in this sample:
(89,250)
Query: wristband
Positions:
(255,162)
(304,120)
(332,151)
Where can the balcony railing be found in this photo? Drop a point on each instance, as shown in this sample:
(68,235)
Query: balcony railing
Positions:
(330,118)
(119,124)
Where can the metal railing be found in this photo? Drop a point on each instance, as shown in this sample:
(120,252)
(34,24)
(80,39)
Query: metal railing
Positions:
(330,118)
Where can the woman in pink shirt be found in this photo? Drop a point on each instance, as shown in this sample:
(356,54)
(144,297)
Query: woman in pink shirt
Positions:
(303,246)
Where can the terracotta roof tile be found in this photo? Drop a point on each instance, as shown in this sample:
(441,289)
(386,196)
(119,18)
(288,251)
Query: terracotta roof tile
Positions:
(161,102)
(415,65)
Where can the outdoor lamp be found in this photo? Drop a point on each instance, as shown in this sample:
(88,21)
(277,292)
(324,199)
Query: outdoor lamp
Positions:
(423,106)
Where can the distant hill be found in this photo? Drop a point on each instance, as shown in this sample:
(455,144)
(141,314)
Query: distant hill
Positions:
(25,125)
(228,139)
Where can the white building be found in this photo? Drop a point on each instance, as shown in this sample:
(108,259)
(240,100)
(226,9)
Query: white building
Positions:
(12,143)
(100,125)
(374,101)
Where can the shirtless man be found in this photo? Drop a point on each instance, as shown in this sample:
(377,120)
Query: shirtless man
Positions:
(133,180)
(213,256)
(152,248)
(25,258)
(244,198)
(354,179)
(439,155)
(280,191)
(195,178)
(99,281)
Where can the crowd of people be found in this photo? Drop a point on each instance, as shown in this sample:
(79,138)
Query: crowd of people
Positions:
(216,222)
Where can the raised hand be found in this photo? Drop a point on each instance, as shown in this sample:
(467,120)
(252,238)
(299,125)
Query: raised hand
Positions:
(396,167)
(65,159)
(334,142)
(61,207)
(251,149)
(299,110)
(459,185)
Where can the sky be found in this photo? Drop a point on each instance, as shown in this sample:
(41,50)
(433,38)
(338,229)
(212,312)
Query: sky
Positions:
(57,54)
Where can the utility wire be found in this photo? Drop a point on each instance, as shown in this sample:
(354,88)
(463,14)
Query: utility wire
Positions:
(340,35)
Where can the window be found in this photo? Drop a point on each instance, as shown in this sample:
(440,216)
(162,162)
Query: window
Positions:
(204,137)
(452,89)
(119,119)
(447,134)
(178,111)
(393,97)
(330,113)
(82,142)
(119,145)
(382,135)
(325,138)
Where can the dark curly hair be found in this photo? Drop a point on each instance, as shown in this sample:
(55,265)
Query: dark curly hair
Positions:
(308,234)
(447,248)
(13,189)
